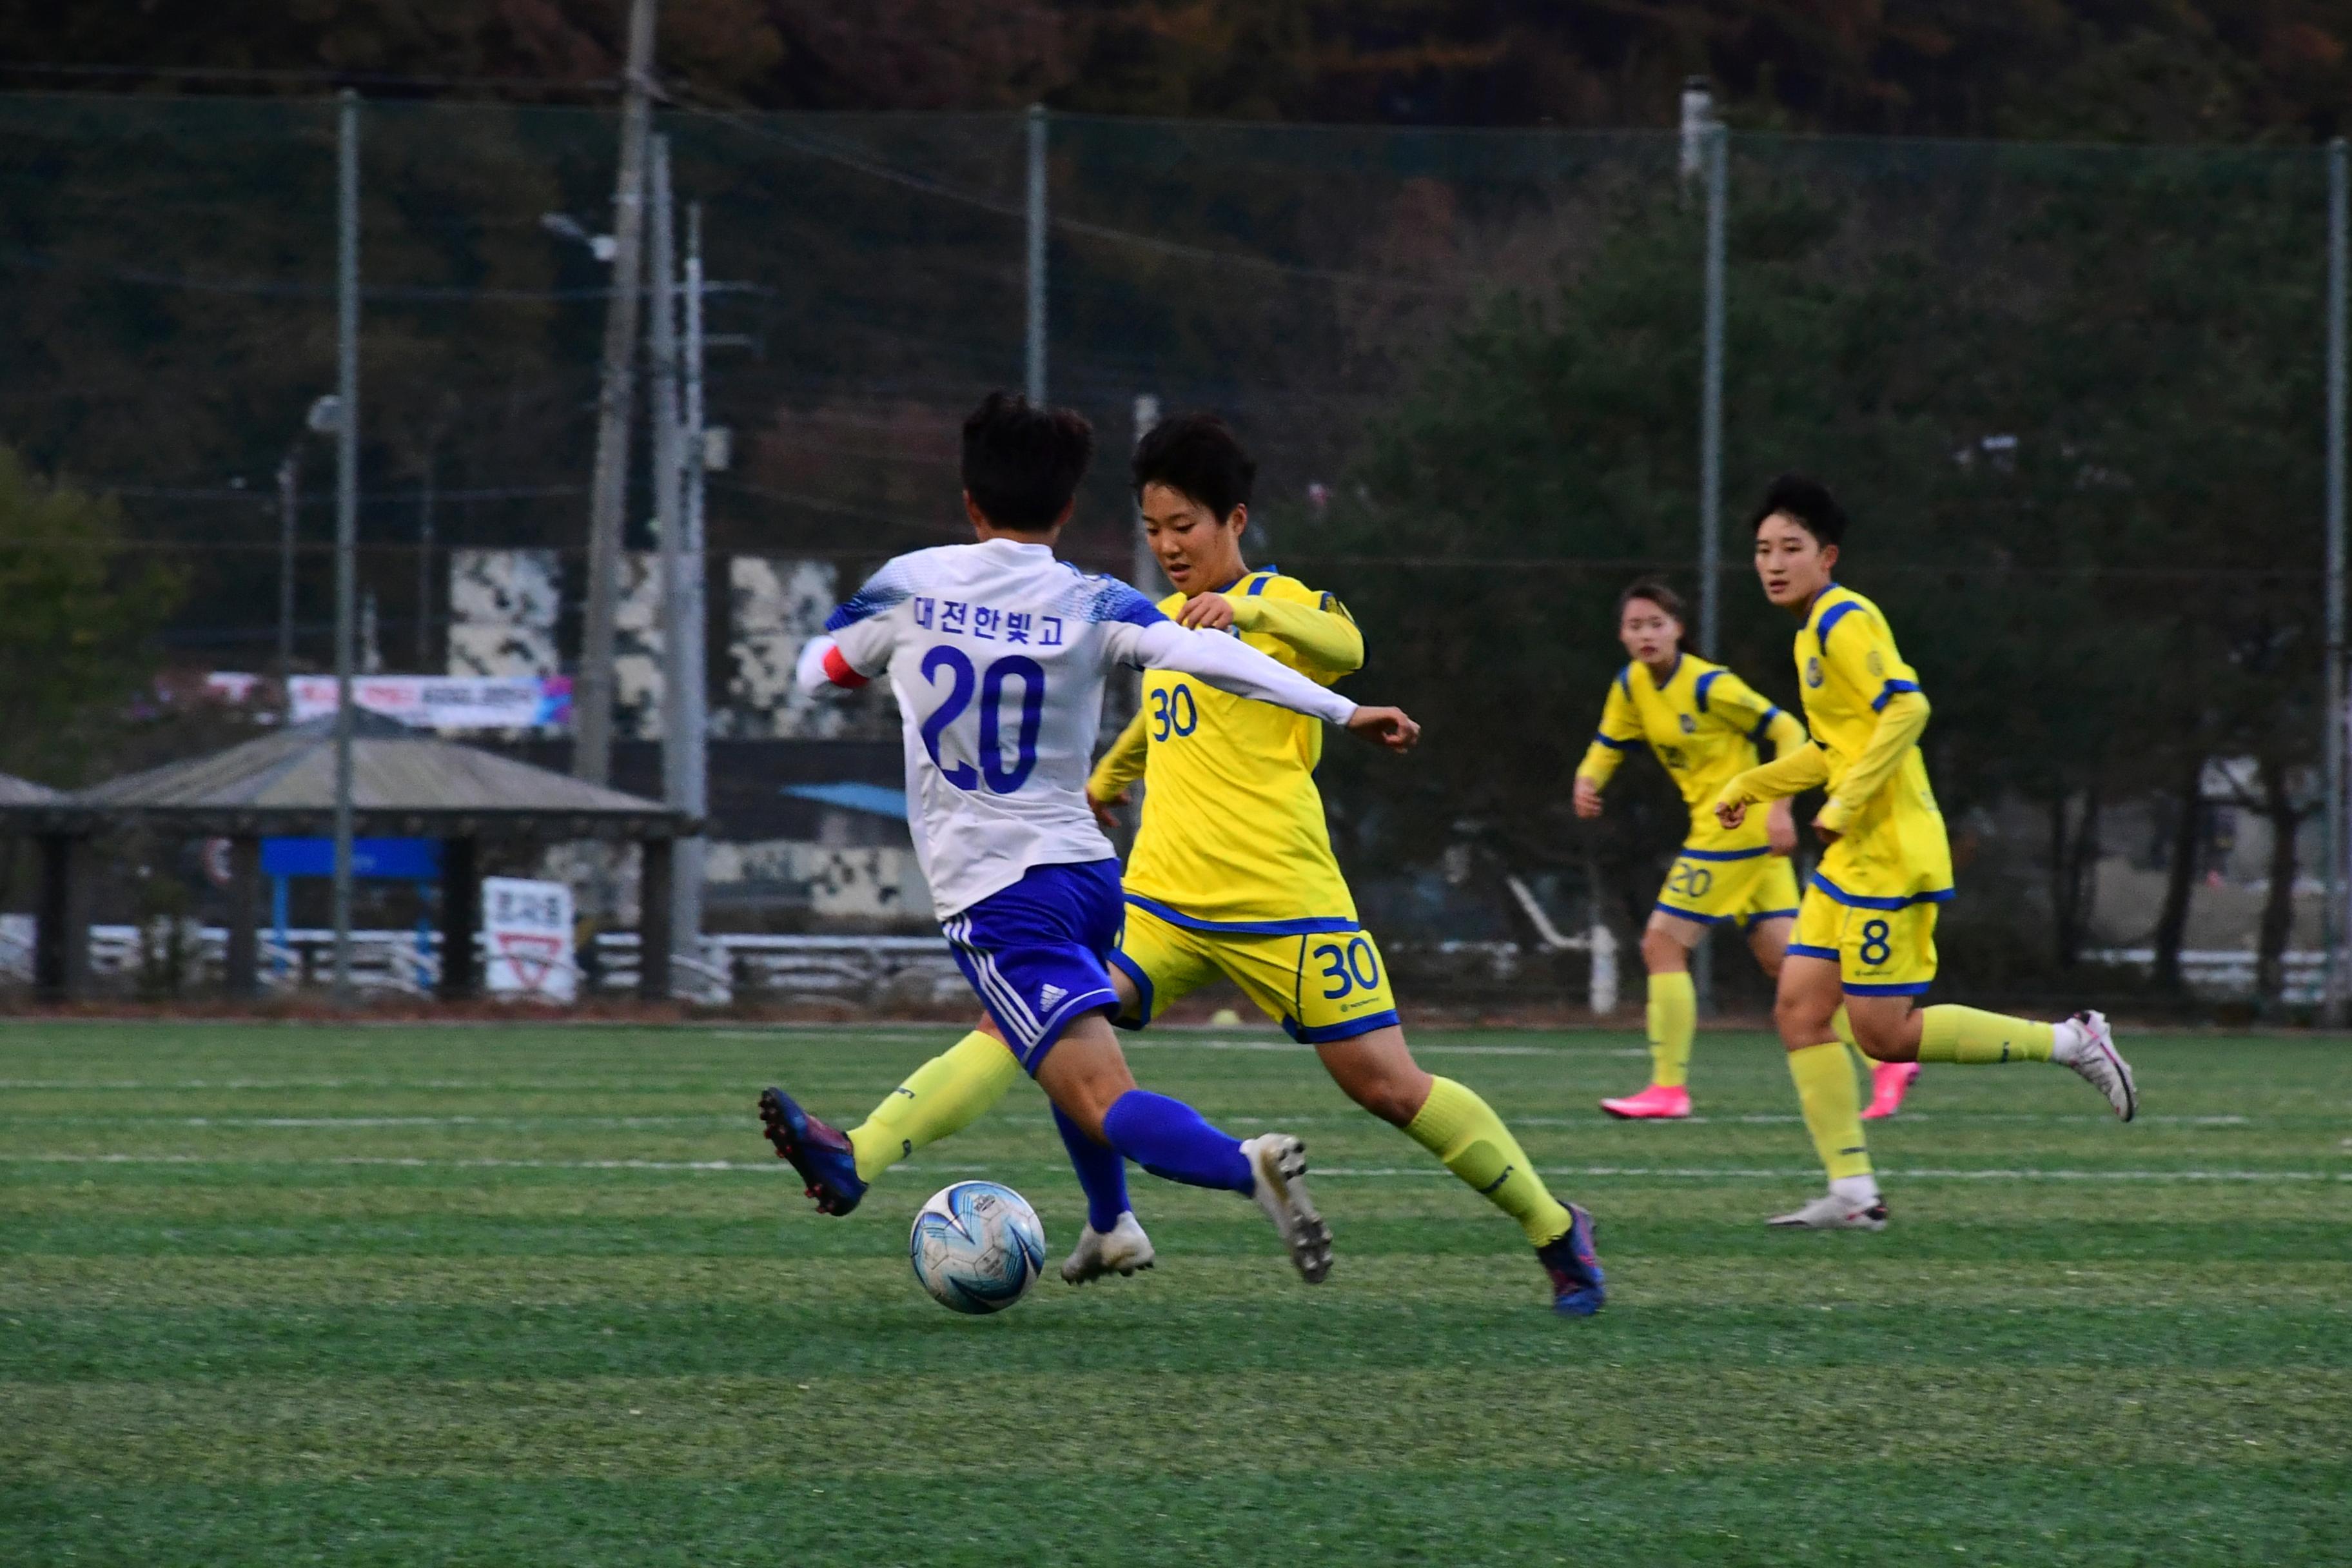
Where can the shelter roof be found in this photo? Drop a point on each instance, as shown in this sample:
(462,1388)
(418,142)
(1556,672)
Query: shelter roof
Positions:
(403,782)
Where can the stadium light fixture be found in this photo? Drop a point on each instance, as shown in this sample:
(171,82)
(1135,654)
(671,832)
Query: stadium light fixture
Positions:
(563,226)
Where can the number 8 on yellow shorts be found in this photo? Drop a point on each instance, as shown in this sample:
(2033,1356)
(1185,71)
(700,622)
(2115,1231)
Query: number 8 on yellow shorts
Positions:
(1323,983)
(1713,885)
(1879,952)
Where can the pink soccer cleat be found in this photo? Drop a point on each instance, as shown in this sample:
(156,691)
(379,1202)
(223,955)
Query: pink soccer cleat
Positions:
(1889,1082)
(1656,1103)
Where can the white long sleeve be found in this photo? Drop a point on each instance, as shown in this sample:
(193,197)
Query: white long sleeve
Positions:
(809,673)
(1231,665)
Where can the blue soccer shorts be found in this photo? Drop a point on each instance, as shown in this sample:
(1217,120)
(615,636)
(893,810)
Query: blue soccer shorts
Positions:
(1035,952)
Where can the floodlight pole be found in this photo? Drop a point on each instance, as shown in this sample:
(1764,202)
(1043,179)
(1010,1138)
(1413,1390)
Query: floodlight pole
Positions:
(1710,459)
(2338,921)
(1710,406)
(1034,381)
(591,750)
(347,509)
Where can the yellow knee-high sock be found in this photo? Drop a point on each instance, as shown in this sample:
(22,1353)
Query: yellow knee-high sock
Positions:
(1832,1104)
(1845,1027)
(1463,1131)
(1949,1034)
(1673,1020)
(945,1095)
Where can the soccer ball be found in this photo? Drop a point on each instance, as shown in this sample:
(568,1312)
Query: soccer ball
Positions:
(977,1247)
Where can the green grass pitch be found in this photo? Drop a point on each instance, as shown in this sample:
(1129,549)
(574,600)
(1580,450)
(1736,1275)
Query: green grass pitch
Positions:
(538,1295)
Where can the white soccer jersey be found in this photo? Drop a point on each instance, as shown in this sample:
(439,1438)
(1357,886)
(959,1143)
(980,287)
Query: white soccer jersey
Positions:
(997,652)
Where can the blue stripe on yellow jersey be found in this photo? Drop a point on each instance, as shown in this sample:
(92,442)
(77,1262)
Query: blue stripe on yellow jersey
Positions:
(1704,725)
(1894,848)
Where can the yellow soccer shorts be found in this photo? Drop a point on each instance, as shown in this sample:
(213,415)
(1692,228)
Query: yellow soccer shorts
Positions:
(1323,985)
(1883,947)
(1714,886)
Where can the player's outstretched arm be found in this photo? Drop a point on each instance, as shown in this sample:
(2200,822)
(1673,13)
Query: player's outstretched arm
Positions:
(1793,774)
(1900,724)
(1327,643)
(1120,766)
(823,664)
(1232,666)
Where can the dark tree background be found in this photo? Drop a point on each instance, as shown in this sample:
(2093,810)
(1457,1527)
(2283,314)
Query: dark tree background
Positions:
(2161,70)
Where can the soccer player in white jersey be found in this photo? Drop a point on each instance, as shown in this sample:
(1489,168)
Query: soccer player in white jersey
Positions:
(997,654)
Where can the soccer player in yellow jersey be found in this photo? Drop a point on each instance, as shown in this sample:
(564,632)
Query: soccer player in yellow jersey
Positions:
(1866,925)
(1233,874)
(1704,724)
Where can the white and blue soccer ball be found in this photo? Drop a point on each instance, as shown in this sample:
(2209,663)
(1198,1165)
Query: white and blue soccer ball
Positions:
(977,1247)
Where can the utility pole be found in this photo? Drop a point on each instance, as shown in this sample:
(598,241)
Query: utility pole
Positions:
(1035,380)
(347,510)
(693,694)
(669,479)
(592,752)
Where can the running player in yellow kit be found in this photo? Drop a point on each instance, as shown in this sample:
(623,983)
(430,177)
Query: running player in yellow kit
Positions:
(1866,925)
(1705,725)
(1233,874)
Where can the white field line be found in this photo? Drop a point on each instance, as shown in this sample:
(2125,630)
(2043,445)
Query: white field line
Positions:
(1681,1172)
(1342,1118)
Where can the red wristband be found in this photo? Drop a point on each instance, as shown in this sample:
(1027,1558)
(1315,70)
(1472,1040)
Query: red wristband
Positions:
(837,671)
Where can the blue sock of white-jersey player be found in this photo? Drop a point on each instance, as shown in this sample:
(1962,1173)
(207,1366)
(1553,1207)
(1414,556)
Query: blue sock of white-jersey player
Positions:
(1171,1140)
(1102,1171)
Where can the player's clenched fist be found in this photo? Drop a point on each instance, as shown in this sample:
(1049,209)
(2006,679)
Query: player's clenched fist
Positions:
(1206,613)
(1387,727)
(1588,798)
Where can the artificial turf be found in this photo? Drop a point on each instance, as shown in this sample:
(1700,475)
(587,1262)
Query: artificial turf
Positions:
(525,1294)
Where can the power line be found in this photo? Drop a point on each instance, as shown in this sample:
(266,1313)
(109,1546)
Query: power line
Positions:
(316,76)
(876,168)
(263,288)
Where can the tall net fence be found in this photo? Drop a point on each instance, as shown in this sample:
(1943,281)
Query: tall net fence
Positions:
(2074,397)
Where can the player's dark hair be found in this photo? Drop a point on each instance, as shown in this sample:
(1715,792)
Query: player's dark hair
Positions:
(1809,501)
(1199,457)
(1653,589)
(1022,464)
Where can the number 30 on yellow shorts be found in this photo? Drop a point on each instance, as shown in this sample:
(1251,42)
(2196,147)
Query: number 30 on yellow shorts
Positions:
(1322,985)
(1879,952)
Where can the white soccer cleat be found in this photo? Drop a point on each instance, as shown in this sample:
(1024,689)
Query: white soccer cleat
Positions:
(1122,1252)
(1280,1162)
(2102,1066)
(1832,1211)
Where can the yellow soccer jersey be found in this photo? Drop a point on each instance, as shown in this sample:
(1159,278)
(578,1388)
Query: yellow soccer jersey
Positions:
(1705,726)
(1233,832)
(1891,845)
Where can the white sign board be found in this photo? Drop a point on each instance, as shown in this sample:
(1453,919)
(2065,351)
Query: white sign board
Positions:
(527,929)
(444,701)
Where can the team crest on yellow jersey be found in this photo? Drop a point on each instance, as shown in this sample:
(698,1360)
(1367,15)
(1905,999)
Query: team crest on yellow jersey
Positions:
(1690,725)
(1812,672)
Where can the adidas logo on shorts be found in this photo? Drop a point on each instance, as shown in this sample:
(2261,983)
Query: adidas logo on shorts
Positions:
(1050,995)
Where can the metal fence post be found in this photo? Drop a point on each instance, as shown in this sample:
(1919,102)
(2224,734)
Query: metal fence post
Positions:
(1035,380)
(2336,923)
(347,506)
